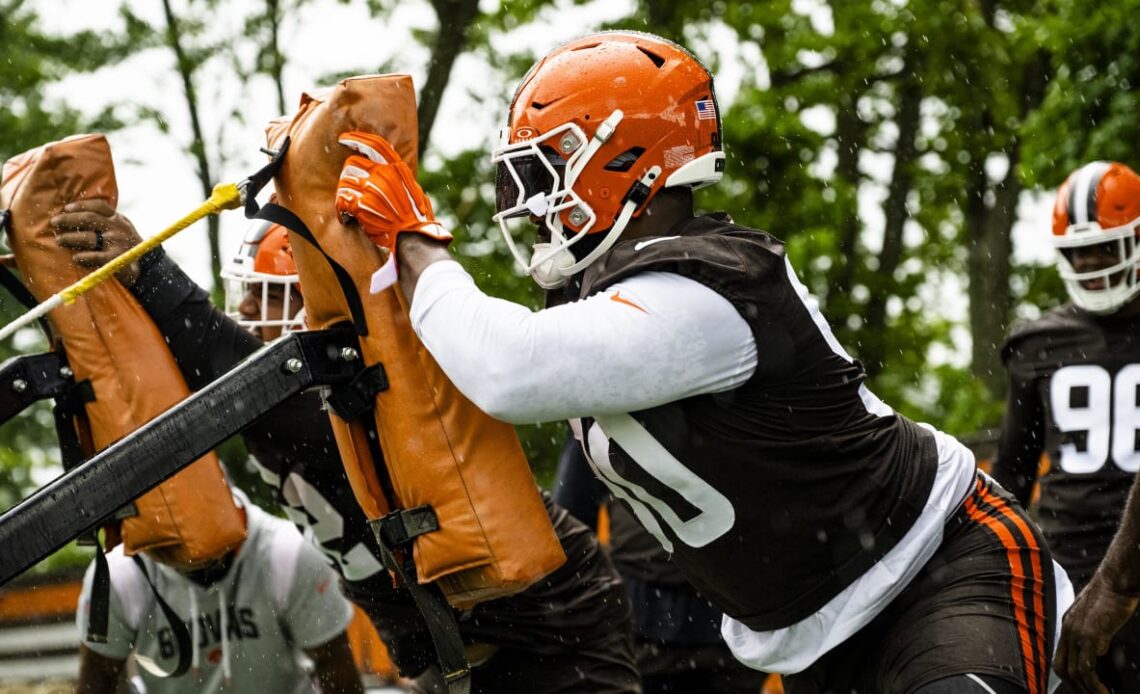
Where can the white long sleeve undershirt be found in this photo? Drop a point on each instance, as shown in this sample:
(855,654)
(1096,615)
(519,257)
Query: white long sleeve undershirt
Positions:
(651,339)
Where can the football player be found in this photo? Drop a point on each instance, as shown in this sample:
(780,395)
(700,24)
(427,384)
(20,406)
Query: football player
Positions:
(569,633)
(254,616)
(1074,382)
(845,543)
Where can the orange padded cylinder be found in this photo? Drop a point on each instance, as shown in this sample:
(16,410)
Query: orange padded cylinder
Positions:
(110,341)
(495,537)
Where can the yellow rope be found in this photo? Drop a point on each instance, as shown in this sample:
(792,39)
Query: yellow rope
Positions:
(225,196)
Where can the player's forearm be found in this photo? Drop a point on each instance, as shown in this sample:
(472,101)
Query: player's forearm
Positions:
(1120,568)
(416,253)
(653,339)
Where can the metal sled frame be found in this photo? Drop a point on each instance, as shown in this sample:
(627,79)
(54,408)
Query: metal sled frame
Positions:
(29,379)
(80,499)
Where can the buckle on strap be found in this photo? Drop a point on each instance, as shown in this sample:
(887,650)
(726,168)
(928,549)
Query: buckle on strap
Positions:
(358,396)
(401,527)
(638,193)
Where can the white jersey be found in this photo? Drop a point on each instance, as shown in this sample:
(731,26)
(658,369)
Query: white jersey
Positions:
(278,598)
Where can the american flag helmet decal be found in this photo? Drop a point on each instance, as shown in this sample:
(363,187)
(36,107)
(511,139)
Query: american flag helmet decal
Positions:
(706,109)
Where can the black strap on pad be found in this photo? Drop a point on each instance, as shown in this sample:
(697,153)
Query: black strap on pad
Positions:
(394,533)
(358,397)
(277,214)
(177,627)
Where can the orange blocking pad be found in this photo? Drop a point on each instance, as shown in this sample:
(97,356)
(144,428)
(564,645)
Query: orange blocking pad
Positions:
(495,537)
(111,342)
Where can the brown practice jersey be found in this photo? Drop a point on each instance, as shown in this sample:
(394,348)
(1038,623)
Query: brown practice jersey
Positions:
(1074,380)
(774,496)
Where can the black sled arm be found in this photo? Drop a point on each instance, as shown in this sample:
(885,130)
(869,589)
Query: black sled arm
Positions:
(79,500)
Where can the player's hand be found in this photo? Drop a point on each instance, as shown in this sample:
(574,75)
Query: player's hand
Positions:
(379,192)
(97,234)
(1088,627)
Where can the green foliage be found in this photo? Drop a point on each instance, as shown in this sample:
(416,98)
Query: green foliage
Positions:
(1090,107)
(31,60)
(903,104)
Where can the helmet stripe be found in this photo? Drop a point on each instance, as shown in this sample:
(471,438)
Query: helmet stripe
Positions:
(1082,193)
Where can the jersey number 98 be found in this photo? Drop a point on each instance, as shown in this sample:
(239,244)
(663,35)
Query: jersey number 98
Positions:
(1086,398)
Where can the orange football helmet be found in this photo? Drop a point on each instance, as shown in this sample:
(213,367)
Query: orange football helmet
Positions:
(1098,205)
(596,129)
(263,264)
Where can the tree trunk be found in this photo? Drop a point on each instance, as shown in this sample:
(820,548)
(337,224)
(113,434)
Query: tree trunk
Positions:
(895,212)
(455,16)
(276,58)
(198,146)
(850,132)
(988,233)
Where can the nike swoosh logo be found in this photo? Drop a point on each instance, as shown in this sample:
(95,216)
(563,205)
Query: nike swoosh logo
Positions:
(616,296)
(649,242)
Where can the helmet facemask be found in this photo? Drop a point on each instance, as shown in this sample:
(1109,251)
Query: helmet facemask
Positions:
(649,109)
(268,290)
(1119,279)
(535,179)
(277,293)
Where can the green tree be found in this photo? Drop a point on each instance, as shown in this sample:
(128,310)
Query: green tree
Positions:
(881,141)
(202,47)
(1089,110)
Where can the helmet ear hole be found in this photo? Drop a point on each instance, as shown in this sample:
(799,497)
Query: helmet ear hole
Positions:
(625,160)
(657,60)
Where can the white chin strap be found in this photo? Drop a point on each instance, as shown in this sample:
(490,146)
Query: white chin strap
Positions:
(553,264)
(551,271)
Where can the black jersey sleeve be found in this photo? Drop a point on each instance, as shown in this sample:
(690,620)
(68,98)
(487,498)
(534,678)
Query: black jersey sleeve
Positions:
(203,341)
(1022,437)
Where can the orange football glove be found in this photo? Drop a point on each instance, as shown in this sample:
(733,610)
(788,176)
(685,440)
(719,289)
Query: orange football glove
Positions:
(378,190)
